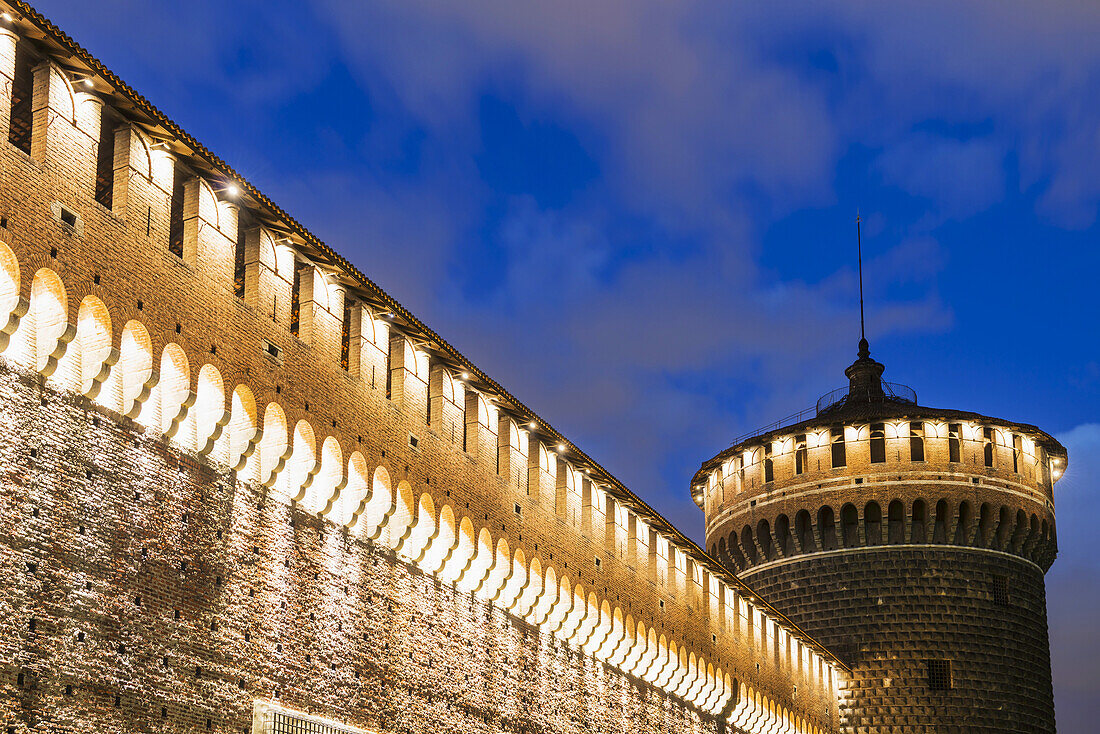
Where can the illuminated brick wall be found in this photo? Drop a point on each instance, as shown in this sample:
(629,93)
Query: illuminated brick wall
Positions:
(164,596)
(317,394)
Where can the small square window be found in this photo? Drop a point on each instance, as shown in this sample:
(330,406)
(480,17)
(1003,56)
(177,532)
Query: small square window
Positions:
(414,442)
(273,351)
(519,510)
(597,560)
(939,674)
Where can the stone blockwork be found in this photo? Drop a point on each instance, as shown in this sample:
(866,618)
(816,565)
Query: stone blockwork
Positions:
(145,591)
(890,610)
(912,541)
(149,288)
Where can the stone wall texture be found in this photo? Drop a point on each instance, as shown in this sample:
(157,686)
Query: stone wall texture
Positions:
(145,591)
(888,610)
(233,468)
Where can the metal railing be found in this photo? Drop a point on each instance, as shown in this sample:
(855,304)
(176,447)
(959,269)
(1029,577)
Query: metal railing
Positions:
(891,391)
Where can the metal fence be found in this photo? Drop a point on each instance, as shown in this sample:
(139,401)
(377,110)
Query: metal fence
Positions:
(274,720)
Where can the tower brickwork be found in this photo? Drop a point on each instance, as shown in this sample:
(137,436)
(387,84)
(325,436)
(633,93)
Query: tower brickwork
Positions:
(911,540)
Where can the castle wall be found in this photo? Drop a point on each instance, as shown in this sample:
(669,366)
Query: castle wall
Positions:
(225,393)
(167,596)
(890,610)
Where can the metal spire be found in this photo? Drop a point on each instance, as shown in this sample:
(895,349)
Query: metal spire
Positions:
(864,348)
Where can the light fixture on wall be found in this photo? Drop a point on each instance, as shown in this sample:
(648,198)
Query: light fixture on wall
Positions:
(232,190)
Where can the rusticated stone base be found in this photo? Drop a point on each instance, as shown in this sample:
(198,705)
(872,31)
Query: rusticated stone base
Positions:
(889,609)
(146,592)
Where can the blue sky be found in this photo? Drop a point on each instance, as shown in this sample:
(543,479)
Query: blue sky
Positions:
(638,216)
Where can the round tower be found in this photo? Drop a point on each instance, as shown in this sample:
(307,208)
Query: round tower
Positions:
(913,541)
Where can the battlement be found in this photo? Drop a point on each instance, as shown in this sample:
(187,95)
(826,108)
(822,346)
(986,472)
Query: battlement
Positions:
(141,275)
(895,473)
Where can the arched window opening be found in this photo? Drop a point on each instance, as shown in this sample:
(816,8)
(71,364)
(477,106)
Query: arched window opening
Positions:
(239,247)
(296,297)
(105,158)
(987,446)
(769,465)
(804,530)
(175,211)
(749,545)
(878,443)
(764,538)
(954,442)
(916,441)
(943,520)
(783,535)
(962,529)
(985,525)
(21,121)
(895,515)
(345,335)
(872,523)
(826,528)
(800,454)
(839,455)
(849,521)
(920,522)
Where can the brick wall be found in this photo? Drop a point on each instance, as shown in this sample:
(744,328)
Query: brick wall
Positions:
(888,610)
(111,323)
(165,595)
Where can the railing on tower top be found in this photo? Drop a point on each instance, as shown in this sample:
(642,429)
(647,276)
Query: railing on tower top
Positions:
(891,391)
